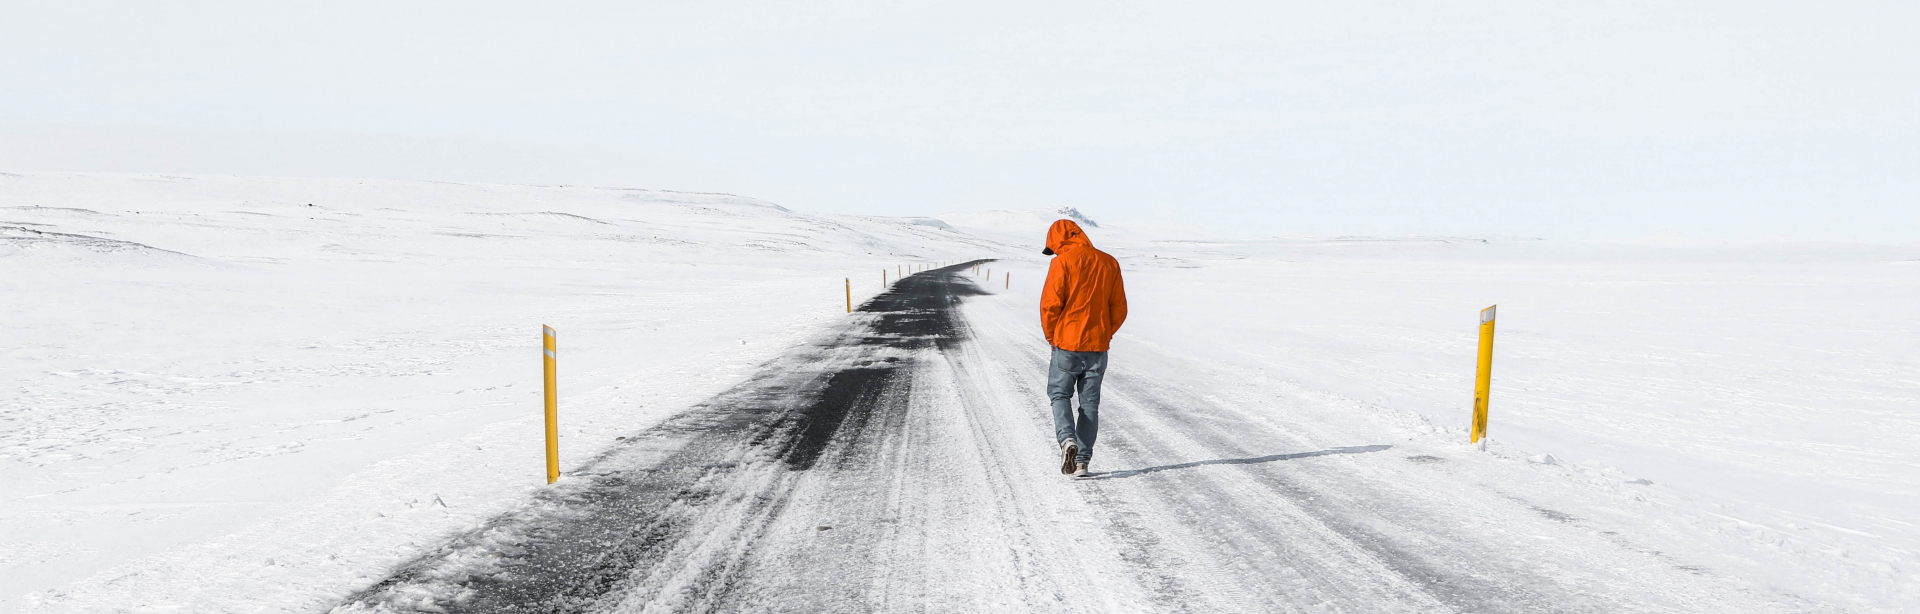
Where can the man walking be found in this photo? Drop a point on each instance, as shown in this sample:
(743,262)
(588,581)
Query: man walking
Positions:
(1081,306)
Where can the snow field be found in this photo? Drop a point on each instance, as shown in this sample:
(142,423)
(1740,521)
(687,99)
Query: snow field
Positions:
(1749,410)
(258,394)
(291,399)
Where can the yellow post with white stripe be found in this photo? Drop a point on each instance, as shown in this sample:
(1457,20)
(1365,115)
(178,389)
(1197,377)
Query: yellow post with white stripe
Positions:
(547,346)
(1483,380)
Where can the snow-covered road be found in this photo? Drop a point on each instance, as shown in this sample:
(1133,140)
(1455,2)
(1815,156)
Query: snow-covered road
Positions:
(905,463)
(232,394)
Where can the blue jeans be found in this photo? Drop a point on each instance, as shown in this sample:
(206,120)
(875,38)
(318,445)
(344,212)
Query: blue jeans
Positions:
(1072,372)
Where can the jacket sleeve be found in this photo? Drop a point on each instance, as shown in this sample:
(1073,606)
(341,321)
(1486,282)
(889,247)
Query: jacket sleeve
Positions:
(1053,299)
(1117,301)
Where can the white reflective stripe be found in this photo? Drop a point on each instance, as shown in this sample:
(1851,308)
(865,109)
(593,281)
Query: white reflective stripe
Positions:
(548,352)
(1486,315)
(548,331)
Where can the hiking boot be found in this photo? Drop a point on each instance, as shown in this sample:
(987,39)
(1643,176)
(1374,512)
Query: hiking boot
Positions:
(1080,470)
(1068,452)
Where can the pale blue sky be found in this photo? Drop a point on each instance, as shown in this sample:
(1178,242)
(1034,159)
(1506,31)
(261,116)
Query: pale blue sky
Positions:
(1740,119)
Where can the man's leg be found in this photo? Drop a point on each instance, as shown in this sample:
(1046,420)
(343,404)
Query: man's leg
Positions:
(1089,428)
(1060,385)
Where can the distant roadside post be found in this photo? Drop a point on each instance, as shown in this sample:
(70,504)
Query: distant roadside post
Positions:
(547,347)
(849,295)
(1484,377)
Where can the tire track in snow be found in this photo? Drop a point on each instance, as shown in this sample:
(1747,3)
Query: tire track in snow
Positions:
(664,521)
(1199,543)
(904,464)
(1279,500)
(937,506)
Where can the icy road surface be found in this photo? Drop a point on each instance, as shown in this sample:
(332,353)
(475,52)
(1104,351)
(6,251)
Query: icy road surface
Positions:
(905,463)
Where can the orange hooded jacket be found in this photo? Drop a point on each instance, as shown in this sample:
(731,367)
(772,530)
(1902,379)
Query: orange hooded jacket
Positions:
(1083,303)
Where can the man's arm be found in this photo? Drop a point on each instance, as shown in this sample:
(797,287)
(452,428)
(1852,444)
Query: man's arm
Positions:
(1117,302)
(1053,299)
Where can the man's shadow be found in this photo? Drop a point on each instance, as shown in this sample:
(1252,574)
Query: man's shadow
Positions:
(1241,461)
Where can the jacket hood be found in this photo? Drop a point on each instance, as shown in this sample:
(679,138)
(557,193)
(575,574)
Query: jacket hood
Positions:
(1065,233)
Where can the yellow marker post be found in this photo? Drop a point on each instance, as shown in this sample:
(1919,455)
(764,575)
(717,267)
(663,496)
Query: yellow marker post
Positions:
(1009,278)
(883,279)
(849,295)
(1482,381)
(547,346)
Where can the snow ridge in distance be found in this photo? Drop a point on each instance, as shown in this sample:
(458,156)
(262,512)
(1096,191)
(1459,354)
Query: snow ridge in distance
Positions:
(1011,222)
